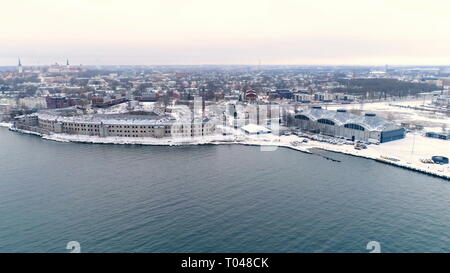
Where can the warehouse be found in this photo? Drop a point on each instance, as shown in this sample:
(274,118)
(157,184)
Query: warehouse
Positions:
(340,123)
(443,136)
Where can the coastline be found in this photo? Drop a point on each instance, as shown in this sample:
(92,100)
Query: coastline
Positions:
(6,124)
(289,142)
(384,161)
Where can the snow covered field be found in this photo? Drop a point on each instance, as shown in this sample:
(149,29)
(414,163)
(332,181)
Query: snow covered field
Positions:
(401,112)
(215,139)
(5,124)
(405,152)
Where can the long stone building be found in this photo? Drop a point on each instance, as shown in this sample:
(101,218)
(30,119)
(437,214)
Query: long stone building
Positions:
(118,125)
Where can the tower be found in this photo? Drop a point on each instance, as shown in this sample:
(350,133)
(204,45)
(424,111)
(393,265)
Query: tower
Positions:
(19,67)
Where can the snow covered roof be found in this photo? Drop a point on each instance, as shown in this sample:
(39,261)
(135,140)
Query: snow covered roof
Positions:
(115,118)
(369,121)
(108,118)
(255,129)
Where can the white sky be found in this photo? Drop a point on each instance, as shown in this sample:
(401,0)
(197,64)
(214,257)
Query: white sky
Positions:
(374,32)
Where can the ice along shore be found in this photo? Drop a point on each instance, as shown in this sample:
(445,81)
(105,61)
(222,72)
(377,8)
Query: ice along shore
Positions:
(406,153)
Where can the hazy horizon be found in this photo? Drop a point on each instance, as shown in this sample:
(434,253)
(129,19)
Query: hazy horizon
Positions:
(63,63)
(206,32)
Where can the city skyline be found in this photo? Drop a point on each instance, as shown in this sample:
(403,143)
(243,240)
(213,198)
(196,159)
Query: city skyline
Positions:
(267,32)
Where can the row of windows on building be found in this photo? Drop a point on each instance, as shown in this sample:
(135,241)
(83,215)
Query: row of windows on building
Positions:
(152,131)
(135,131)
(110,126)
(82,130)
(147,129)
(139,126)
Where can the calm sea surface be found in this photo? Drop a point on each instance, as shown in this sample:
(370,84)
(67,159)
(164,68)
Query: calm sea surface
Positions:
(116,198)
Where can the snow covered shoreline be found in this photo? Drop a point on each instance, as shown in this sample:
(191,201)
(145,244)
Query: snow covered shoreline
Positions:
(397,153)
(6,124)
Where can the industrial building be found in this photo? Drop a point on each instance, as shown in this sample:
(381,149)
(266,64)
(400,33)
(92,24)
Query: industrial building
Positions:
(281,94)
(443,136)
(61,102)
(442,101)
(341,123)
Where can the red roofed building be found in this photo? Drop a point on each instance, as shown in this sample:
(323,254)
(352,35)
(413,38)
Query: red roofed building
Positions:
(250,95)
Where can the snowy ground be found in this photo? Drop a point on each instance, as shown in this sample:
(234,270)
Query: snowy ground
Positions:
(5,124)
(400,112)
(215,139)
(408,151)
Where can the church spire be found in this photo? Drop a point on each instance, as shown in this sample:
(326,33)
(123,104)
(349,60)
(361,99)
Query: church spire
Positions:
(19,67)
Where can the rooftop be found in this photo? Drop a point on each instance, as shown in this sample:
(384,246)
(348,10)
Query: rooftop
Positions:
(369,121)
(151,118)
